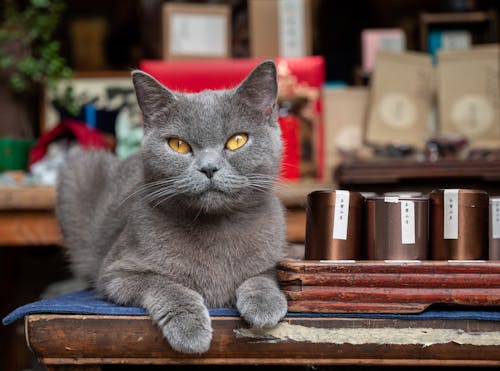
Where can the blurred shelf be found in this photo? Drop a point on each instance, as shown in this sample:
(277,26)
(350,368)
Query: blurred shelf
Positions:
(391,171)
(27,198)
(462,19)
(27,213)
(394,175)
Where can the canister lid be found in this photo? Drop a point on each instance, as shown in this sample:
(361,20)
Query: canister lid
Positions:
(466,197)
(328,197)
(403,194)
(395,199)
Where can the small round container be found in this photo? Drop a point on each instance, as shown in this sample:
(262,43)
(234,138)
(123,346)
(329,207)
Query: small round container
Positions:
(333,225)
(397,228)
(459,227)
(494,229)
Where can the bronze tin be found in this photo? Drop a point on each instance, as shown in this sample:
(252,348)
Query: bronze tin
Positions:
(494,241)
(384,231)
(472,239)
(320,244)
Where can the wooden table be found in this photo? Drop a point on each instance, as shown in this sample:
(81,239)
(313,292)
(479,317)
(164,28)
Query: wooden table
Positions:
(90,341)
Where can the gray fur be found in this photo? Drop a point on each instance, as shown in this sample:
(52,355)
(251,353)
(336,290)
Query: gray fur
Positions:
(156,232)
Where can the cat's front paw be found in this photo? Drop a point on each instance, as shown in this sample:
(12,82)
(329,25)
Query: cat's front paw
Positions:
(189,331)
(261,306)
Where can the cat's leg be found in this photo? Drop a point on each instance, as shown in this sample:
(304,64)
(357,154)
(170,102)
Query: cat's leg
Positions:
(178,311)
(260,300)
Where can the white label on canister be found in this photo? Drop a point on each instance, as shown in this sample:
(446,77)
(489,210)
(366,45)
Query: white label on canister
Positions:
(341,215)
(450,205)
(495,218)
(407,222)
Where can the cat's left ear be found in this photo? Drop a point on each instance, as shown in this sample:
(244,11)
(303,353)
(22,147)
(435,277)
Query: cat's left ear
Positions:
(151,94)
(260,89)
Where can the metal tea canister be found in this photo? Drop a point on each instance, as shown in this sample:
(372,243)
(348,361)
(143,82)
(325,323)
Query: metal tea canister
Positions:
(333,225)
(494,229)
(397,227)
(459,228)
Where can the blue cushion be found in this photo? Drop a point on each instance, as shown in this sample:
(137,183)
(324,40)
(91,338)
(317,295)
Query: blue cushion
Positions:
(88,302)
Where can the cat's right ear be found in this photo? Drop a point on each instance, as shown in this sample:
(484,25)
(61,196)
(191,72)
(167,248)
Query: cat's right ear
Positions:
(152,96)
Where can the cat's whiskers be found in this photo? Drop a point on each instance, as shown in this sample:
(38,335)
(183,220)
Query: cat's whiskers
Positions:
(145,187)
(163,200)
(158,194)
(197,216)
(164,193)
(261,182)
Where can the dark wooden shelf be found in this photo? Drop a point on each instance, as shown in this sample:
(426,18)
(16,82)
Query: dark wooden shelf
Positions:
(394,175)
(465,19)
(387,171)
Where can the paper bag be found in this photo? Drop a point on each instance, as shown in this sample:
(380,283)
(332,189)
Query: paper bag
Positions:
(344,114)
(401,99)
(468,94)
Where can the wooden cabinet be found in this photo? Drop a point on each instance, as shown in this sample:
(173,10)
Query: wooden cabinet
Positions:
(424,176)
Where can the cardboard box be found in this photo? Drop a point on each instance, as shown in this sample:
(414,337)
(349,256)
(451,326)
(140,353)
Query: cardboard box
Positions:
(468,92)
(374,40)
(196,31)
(280,28)
(401,100)
(344,116)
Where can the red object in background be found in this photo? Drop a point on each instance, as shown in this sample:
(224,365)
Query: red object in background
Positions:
(194,76)
(290,161)
(85,136)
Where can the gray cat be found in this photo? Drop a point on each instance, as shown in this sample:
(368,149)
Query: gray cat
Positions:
(191,221)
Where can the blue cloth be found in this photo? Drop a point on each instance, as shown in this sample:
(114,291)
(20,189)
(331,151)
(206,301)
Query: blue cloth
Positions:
(88,302)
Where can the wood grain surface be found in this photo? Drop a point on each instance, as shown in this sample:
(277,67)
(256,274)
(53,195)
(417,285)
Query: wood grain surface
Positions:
(87,340)
(386,287)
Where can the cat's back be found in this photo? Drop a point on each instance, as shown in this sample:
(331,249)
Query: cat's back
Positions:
(90,185)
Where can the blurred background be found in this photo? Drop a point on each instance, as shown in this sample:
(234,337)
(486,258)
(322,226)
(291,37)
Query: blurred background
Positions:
(367,90)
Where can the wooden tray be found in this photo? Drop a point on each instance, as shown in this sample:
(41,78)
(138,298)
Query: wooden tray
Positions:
(387,287)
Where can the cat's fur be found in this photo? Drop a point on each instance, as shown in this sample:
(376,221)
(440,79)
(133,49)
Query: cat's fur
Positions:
(155,231)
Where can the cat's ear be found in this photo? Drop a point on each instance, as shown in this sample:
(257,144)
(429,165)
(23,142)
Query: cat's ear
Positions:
(151,94)
(260,89)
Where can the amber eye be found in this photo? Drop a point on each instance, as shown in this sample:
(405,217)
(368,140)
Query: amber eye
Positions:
(236,141)
(179,145)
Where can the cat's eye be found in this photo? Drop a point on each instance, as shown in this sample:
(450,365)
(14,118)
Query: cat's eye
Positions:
(179,145)
(236,141)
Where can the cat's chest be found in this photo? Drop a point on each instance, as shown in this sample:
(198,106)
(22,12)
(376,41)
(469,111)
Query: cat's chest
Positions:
(215,258)
(218,245)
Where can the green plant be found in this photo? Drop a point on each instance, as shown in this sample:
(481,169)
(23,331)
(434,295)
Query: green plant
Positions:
(28,52)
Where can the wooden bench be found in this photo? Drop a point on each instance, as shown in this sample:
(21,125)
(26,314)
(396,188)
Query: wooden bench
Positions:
(86,342)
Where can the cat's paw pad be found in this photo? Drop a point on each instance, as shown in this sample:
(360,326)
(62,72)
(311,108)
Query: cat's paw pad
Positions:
(262,308)
(189,332)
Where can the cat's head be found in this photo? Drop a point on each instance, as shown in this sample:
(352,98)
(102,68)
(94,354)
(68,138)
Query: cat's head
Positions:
(213,151)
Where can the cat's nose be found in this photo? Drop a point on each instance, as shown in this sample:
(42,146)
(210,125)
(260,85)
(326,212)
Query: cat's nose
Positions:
(209,170)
